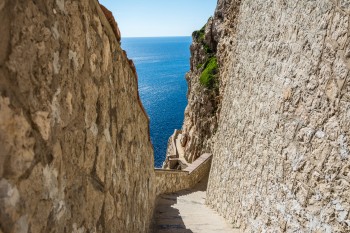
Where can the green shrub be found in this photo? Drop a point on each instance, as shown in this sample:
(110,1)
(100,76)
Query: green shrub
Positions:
(207,49)
(208,77)
(199,35)
(199,65)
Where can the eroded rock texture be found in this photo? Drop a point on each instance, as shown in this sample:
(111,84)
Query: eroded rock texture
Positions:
(75,154)
(281,155)
(200,121)
(214,40)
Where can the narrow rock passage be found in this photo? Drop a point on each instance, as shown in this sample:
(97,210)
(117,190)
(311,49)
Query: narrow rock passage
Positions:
(185,212)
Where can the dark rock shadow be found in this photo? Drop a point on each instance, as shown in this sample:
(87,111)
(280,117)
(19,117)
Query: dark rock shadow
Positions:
(167,219)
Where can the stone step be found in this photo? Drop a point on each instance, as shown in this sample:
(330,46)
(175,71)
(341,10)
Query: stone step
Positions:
(185,212)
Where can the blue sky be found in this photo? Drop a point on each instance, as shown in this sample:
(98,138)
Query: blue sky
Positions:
(147,18)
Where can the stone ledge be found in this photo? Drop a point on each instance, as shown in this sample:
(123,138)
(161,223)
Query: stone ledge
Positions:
(195,165)
(168,181)
(159,170)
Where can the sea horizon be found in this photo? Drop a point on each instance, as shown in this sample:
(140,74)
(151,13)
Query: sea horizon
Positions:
(141,37)
(161,64)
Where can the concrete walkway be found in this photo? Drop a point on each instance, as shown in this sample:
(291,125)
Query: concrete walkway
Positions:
(185,212)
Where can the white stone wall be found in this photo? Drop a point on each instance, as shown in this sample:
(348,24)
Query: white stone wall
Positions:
(281,157)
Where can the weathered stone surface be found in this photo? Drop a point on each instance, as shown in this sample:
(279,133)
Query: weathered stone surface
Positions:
(112,22)
(200,114)
(203,110)
(75,151)
(281,152)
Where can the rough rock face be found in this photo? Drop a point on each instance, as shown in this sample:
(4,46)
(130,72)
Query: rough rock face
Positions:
(75,154)
(204,104)
(281,156)
(112,22)
(200,115)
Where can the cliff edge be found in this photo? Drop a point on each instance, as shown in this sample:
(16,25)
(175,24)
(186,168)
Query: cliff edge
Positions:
(206,84)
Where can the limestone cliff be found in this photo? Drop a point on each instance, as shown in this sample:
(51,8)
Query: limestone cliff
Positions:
(206,83)
(200,121)
(75,153)
(281,150)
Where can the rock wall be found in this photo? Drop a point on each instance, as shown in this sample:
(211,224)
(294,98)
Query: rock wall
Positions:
(75,153)
(202,113)
(200,120)
(281,155)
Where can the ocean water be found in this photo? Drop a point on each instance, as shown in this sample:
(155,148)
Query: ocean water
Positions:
(161,64)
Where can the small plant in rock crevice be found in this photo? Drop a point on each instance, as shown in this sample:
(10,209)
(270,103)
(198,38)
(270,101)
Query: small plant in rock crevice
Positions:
(208,76)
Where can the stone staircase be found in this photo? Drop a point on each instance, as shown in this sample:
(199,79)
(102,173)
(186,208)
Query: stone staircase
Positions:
(185,212)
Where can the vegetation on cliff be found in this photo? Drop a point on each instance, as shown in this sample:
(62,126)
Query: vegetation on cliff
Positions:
(199,35)
(208,77)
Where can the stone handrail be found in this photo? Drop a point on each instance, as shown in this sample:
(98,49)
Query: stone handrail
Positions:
(168,181)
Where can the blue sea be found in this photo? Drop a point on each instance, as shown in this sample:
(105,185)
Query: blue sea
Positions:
(161,64)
